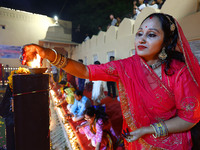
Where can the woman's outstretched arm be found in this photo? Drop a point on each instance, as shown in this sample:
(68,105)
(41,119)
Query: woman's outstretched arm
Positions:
(73,67)
(77,69)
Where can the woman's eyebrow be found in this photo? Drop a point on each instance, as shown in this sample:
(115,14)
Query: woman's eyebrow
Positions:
(150,29)
(154,29)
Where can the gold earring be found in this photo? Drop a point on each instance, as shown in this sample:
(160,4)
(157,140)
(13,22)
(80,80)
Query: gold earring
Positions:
(163,54)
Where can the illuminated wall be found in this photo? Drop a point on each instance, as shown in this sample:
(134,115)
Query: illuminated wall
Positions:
(120,40)
(18,28)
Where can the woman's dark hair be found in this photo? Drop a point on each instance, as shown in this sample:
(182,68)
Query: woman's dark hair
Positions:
(78,93)
(170,40)
(97,62)
(99,112)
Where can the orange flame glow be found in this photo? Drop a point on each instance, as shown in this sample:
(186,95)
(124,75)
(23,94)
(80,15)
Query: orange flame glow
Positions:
(36,62)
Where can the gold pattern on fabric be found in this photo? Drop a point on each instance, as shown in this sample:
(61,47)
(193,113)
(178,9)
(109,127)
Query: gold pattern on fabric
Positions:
(148,146)
(179,73)
(129,119)
(159,82)
(110,69)
(190,104)
(125,107)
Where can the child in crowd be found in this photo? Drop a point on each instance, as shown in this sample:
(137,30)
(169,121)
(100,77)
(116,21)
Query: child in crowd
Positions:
(98,129)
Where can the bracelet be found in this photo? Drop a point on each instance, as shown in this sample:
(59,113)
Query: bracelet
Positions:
(64,63)
(154,135)
(58,60)
(165,128)
(61,61)
(55,57)
(160,129)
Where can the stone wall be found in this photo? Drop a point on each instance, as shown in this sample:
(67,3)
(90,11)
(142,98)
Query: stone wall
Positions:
(120,40)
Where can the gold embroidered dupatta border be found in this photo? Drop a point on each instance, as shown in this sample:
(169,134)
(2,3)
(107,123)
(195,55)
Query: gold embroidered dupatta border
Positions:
(126,108)
(128,117)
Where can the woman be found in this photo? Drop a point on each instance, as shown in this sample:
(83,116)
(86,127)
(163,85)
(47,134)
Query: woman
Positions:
(98,128)
(158,87)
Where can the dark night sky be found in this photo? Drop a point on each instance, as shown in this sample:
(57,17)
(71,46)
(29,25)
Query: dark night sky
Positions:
(47,7)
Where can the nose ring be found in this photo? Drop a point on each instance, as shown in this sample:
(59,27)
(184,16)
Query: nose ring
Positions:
(143,41)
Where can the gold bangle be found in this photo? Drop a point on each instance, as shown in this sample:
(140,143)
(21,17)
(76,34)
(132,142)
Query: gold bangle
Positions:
(154,135)
(58,60)
(65,62)
(164,128)
(62,60)
(55,57)
(160,129)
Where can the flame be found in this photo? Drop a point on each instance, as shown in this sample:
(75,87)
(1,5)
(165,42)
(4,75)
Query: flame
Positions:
(36,62)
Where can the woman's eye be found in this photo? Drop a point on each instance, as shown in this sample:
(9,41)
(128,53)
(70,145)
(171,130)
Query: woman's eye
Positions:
(139,34)
(152,35)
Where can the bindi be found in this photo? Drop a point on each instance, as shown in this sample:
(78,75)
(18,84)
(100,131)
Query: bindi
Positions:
(151,17)
(145,26)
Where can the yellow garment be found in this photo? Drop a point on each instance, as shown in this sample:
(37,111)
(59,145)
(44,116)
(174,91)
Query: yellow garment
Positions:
(61,89)
(70,95)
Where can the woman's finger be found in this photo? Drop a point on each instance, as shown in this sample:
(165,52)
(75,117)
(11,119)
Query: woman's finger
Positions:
(123,135)
(128,133)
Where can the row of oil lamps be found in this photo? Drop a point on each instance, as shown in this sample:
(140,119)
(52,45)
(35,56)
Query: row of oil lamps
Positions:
(71,135)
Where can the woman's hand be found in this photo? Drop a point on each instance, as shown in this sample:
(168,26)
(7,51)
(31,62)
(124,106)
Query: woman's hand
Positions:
(29,53)
(73,67)
(134,135)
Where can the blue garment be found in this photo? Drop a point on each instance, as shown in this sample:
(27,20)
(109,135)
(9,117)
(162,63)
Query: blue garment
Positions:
(114,21)
(81,84)
(79,107)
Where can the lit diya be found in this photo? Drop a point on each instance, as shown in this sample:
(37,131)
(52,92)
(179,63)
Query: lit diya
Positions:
(35,66)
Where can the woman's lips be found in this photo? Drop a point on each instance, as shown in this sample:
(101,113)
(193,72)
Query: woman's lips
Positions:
(141,47)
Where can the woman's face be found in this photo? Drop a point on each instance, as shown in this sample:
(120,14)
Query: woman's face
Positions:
(90,119)
(149,39)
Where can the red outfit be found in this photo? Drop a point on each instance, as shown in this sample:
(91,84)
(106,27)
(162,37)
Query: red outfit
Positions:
(100,132)
(147,99)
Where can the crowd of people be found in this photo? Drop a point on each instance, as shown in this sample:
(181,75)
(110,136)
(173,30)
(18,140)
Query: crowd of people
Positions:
(138,6)
(97,126)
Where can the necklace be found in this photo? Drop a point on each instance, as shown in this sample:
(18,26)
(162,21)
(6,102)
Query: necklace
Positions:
(156,65)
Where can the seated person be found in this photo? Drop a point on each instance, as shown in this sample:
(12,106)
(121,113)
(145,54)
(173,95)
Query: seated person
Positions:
(68,97)
(62,84)
(98,129)
(81,102)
